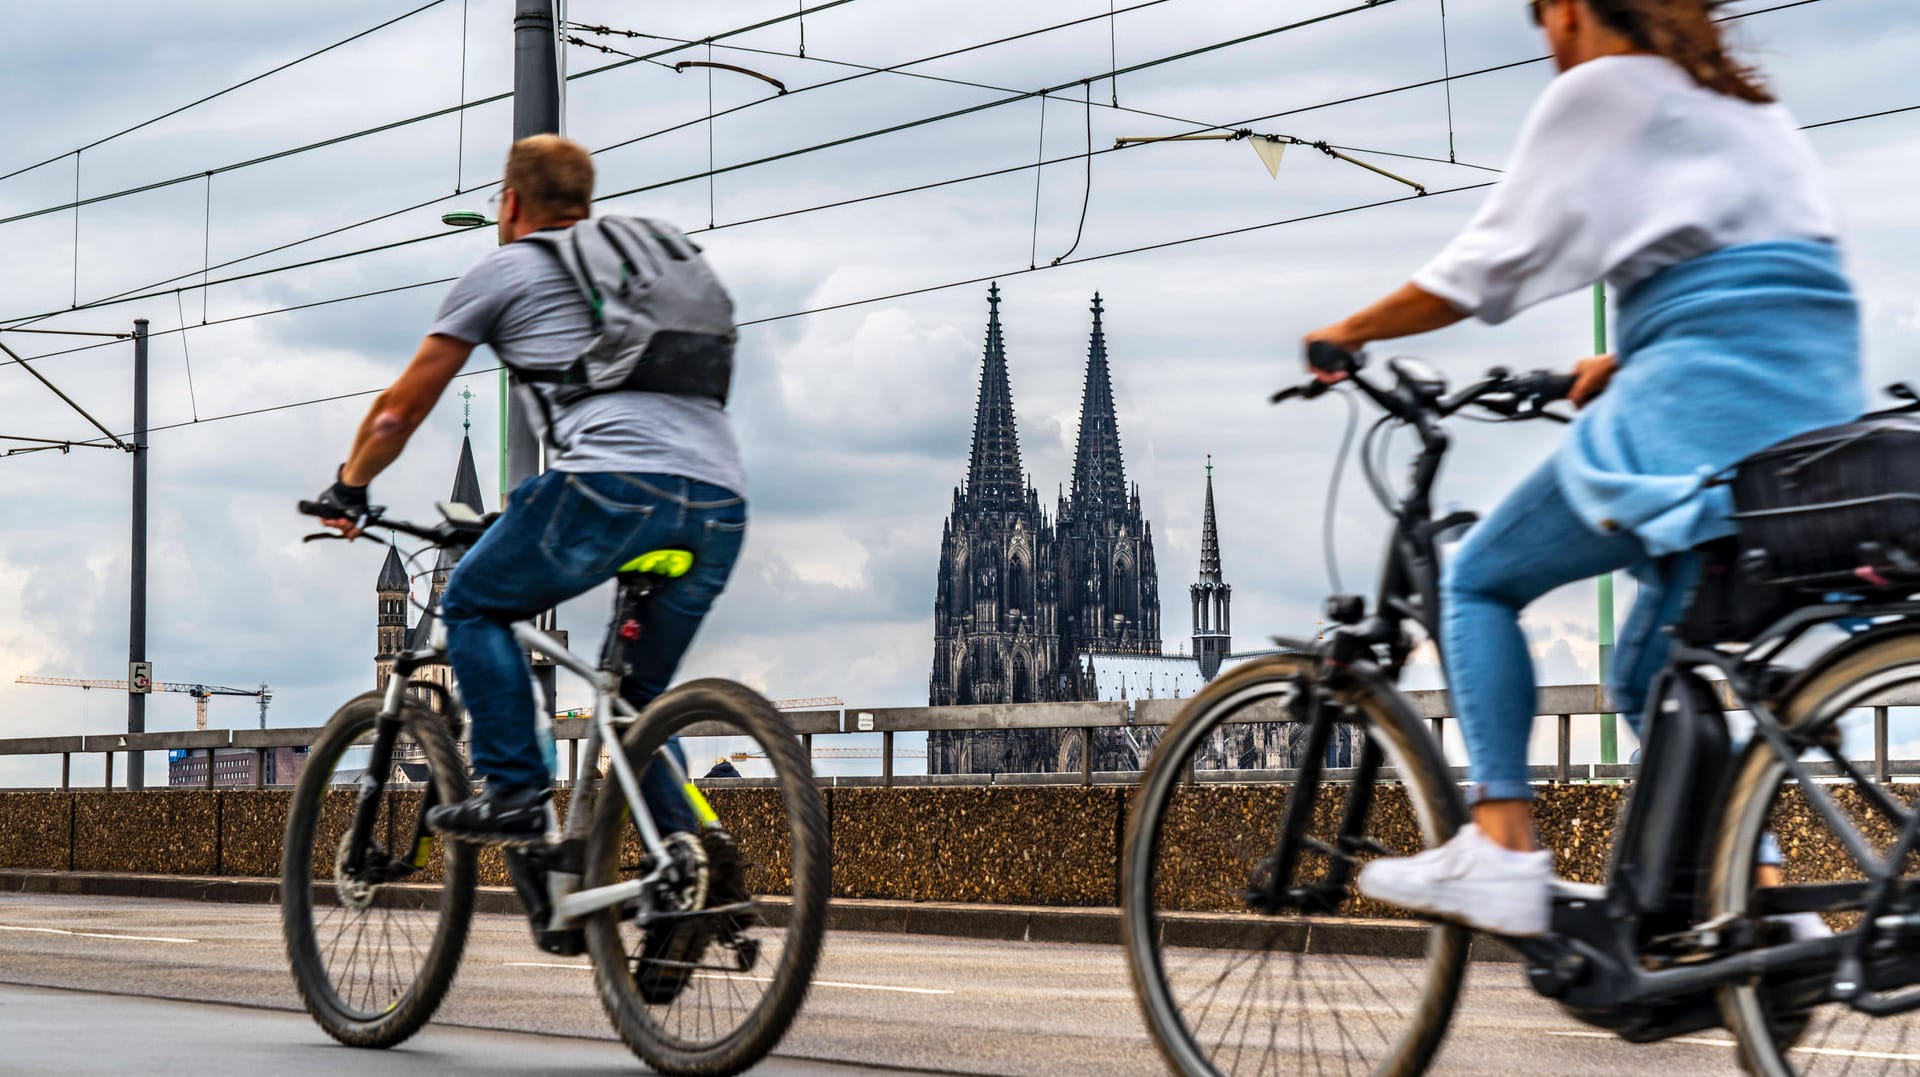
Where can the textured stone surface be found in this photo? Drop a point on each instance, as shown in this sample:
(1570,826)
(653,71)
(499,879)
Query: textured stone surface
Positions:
(162,833)
(253,826)
(760,825)
(36,830)
(1041,846)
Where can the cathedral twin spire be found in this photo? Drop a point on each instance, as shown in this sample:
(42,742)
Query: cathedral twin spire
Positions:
(1099,475)
(994,479)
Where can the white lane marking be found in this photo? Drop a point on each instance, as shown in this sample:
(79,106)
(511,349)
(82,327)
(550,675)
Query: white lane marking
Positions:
(95,934)
(1703,1042)
(758,979)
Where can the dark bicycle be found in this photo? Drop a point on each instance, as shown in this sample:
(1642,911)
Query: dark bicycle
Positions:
(1238,899)
(696,980)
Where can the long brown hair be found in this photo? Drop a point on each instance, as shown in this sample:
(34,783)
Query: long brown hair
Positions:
(1685,32)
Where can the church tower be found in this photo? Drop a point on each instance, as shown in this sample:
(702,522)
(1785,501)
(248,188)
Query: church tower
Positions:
(1212,596)
(391,633)
(1110,590)
(995,619)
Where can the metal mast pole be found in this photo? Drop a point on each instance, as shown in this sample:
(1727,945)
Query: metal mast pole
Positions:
(137,607)
(536,111)
(1609,726)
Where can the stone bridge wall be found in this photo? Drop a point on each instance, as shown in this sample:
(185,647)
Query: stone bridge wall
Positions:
(1044,845)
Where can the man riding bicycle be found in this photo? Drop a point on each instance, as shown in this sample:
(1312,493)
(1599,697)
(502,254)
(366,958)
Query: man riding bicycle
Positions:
(640,463)
(1657,163)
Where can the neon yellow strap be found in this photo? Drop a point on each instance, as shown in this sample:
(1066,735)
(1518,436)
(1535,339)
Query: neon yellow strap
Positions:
(672,564)
(702,810)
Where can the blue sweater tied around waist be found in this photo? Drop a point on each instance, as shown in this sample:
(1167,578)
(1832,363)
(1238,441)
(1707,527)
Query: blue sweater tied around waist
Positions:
(1720,357)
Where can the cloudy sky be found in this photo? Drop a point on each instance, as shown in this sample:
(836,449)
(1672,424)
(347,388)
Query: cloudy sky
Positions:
(854,421)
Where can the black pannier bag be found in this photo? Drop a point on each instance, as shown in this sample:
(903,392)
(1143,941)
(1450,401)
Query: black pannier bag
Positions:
(1836,509)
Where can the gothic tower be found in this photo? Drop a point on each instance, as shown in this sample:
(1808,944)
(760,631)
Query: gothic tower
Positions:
(1110,590)
(466,491)
(996,631)
(1212,596)
(391,632)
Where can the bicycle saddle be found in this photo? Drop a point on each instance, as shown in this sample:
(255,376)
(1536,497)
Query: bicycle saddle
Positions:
(667,564)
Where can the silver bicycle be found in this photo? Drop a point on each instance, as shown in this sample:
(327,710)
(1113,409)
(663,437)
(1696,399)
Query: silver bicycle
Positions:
(701,963)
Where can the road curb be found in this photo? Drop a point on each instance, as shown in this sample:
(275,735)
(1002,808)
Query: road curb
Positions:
(1010,923)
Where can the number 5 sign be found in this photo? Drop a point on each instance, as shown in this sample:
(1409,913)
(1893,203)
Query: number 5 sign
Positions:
(140,677)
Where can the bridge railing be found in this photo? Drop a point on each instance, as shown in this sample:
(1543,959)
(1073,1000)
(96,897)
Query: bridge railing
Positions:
(1562,704)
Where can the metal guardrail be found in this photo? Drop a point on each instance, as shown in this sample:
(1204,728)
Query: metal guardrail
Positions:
(1562,703)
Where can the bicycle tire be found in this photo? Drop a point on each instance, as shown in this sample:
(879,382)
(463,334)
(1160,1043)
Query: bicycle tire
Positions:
(809,869)
(1432,793)
(1820,698)
(411,1004)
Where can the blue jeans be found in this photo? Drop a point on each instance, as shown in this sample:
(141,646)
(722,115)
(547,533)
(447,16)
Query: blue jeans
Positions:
(1533,543)
(562,535)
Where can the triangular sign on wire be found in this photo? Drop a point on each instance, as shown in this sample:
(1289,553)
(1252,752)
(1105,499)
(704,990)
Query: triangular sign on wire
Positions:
(1270,151)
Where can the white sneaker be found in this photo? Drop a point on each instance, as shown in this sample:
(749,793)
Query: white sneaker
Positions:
(1469,879)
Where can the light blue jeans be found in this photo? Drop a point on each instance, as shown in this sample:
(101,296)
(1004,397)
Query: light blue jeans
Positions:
(1533,543)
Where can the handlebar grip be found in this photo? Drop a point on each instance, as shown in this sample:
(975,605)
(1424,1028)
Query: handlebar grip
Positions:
(1329,358)
(1549,387)
(320,509)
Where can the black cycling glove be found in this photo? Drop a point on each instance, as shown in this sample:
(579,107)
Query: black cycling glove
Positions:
(350,499)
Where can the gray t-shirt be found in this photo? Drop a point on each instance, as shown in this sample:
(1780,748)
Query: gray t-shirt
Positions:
(521,302)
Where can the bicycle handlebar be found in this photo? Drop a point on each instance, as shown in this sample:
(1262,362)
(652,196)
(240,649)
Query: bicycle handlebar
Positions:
(1511,396)
(444,534)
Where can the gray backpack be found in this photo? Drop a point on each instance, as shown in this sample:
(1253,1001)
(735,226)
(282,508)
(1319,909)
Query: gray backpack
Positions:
(665,322)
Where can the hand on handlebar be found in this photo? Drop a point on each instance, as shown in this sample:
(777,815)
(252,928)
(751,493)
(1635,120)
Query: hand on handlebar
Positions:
(345,499)
(1328,357)
(1590,378)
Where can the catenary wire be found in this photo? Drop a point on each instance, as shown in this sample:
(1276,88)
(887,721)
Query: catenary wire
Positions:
(227,90)
(850,303)
(391,125)
(124,298)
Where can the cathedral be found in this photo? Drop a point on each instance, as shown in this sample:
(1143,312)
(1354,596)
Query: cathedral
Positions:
(1021,596)
(1032,608)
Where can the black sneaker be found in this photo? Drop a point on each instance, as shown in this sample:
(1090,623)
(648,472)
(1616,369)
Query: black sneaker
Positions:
(726,876)
(516,818)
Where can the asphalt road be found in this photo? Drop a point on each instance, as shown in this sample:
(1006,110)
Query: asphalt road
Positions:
(890,1003)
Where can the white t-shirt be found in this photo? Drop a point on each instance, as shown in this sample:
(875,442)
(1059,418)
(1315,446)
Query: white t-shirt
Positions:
(1627,166)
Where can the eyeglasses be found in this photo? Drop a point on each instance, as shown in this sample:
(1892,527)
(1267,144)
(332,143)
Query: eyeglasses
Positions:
(493,200)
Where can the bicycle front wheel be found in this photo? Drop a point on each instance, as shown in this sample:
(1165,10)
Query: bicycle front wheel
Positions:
(1790,1023)
(712,993)
(375,947)
(1230,988)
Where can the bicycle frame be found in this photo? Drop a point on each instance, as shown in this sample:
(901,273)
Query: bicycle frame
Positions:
(611,714)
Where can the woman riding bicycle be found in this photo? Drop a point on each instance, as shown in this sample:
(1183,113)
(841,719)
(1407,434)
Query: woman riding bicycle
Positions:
(1659,164)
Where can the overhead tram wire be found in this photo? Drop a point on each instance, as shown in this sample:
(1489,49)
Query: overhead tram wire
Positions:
(866,72)
(923,121)
(392,125)
(242,84)
(981,279)
(132,297)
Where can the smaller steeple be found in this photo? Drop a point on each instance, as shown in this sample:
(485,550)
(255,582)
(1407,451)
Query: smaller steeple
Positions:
(393,573)
(1212,596)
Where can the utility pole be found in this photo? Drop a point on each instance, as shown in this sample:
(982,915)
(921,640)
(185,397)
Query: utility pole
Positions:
(1609,724)
(536,111)
(137,607)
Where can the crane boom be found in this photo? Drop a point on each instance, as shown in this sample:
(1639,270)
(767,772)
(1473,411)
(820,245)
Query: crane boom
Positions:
(200,692)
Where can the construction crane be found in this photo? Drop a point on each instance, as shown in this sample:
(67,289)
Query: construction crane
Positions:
(200,692)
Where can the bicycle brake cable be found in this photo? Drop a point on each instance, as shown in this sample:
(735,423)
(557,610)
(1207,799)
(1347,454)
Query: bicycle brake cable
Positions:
(1333,492)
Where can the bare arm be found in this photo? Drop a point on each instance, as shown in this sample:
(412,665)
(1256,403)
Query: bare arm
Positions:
(399,411)
(1403,313)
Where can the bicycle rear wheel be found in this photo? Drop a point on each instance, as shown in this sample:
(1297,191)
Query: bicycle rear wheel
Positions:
(374,950)
(1789,1023)
(1228,988)
(722,997)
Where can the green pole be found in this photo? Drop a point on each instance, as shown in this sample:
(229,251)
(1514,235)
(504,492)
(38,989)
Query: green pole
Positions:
(1609,729)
